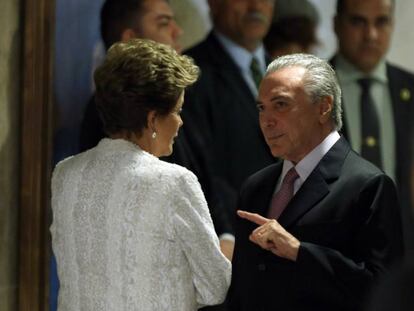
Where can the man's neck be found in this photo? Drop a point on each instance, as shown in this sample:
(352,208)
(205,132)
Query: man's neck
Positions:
(364,71)
(250,46)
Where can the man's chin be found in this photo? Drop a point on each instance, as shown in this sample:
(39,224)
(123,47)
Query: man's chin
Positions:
(276,152)
(367,62)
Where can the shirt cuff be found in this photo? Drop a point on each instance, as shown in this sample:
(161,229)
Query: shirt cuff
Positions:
(227,237)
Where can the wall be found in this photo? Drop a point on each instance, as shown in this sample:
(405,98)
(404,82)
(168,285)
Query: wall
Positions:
(193,17)
(9,138)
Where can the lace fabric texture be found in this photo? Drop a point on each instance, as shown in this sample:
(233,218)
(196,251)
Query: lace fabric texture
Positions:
(131,232)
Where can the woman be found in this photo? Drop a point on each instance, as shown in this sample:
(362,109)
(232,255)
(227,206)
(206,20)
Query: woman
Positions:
(131,232)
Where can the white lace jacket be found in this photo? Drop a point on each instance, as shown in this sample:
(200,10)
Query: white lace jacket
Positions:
(131,232)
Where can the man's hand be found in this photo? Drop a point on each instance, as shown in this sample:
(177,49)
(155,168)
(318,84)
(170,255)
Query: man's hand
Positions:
(270,235)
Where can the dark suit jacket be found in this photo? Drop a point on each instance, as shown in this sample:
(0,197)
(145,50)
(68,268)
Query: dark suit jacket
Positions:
(346,217)
(395,292)
(401,85)
(225,110)
(91,131)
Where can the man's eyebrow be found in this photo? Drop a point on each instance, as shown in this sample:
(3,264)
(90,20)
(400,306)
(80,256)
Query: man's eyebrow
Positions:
(165,16)
(278,97)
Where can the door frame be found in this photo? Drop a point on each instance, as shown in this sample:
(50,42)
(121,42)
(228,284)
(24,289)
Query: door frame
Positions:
(36,121)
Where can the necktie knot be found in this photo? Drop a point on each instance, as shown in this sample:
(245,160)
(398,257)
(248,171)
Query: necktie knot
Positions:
(290,176)
(365,83)
(255,71)
(281,199)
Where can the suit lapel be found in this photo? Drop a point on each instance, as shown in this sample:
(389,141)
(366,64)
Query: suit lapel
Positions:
(316,186)
(401,92)
(264,197)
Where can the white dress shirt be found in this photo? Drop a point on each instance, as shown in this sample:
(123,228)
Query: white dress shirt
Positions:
(305,167)
(243,59)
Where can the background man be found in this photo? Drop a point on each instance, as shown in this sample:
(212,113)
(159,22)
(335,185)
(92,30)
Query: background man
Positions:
(338,223)
(121,21)
(378,97)
(222,102)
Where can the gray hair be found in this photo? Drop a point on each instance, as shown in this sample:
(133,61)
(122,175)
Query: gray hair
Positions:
(319,80)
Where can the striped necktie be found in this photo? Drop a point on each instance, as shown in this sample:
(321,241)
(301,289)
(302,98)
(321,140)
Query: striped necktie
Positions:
(255,71)
(370,132)
(281,199)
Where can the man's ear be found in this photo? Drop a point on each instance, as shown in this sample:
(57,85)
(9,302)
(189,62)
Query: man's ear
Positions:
(128,34)
(325,109)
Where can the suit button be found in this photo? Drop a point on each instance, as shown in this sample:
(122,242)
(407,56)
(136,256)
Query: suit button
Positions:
(261,267)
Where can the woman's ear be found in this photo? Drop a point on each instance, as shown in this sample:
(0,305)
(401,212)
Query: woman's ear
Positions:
(151,118)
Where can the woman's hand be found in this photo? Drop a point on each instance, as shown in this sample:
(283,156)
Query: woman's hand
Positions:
(227,248)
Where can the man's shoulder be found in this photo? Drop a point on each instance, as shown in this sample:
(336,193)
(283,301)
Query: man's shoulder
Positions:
(269,172)
(210,54)
(359,172)
(202,49)
(397,72)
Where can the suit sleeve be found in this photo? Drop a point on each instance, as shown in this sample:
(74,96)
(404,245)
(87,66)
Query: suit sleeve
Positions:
(91,131)
(199,123)
(376,244)
(194,228)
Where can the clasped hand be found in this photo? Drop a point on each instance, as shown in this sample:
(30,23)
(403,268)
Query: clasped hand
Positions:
(271,236)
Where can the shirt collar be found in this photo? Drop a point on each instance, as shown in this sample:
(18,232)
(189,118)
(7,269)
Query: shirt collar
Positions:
(305,167)
(240,55)
(348,73)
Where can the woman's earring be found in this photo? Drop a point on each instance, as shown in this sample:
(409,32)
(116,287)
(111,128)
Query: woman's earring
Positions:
(154,135)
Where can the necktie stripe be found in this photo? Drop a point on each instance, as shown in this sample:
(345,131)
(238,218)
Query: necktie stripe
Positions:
(255,71)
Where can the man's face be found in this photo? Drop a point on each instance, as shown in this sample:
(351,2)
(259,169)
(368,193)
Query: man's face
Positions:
(291,123)
(364,32)
(244,21)
(157,23)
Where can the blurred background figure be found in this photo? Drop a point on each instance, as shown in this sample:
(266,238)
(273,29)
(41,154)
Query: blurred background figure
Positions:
(396,291)
(222,104)
(378,97)
(121,21)
(293,29)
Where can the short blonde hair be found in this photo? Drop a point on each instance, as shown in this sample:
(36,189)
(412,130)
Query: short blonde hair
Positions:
(139,76)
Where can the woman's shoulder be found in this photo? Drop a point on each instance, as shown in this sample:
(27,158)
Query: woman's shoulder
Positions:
(68,163)
(168,178)
(170,170)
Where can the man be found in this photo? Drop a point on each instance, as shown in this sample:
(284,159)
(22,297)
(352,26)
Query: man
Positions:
(395,291)
(364,30)
(121,21)
(222,102)
(328,219)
